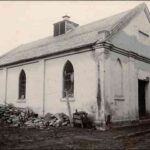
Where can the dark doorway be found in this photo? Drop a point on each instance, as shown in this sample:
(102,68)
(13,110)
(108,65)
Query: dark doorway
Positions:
(142,92)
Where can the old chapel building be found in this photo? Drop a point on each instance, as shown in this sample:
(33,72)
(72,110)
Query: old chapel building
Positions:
(103,67)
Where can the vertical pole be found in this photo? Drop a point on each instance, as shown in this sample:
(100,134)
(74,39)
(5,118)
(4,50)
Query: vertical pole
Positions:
(43,87)
(68,107)
(5,100)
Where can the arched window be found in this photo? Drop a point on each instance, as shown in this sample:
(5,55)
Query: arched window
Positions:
(68,80)
(119,78)
(22,85)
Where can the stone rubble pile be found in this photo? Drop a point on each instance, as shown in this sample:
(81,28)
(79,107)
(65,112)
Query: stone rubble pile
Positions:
(25,117)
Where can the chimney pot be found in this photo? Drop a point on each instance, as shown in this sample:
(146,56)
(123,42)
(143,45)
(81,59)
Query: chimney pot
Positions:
(66,17)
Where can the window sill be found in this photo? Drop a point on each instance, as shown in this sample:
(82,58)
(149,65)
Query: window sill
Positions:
(64,99)
(21,101)
(119,98)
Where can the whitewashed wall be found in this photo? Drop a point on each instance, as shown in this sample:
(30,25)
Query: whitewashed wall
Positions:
(126,107)
(33,86)
(84,83)
(3,85)
(129,37)
(50,100)
(121,107)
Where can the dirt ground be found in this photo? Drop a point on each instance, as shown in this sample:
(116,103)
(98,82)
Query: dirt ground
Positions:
(72,138)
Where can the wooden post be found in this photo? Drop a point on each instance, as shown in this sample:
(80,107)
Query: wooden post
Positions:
(68,107)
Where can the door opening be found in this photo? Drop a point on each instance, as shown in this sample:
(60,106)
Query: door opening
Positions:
(141,98)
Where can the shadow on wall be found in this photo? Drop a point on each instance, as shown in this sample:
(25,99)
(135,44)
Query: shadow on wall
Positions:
(131,43)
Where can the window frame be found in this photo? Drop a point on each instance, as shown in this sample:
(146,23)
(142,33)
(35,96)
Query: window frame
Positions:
(22,85)
(69,79)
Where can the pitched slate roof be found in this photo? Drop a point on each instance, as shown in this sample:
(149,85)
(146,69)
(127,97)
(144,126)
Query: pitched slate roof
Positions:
(80,36)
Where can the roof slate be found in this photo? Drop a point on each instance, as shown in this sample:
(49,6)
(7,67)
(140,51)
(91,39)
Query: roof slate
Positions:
(80,36)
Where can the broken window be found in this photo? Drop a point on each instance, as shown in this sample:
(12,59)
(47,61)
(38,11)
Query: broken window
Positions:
(22,85)
(68,80)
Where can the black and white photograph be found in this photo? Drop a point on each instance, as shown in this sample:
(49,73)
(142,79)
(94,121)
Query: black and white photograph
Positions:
(74,75)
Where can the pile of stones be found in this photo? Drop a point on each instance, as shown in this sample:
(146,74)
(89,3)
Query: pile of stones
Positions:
(25,117)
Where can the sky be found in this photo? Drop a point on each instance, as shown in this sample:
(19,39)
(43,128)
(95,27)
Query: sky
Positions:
(27,21)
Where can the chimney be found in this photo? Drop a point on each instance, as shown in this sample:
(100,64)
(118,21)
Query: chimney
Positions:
(64,26)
